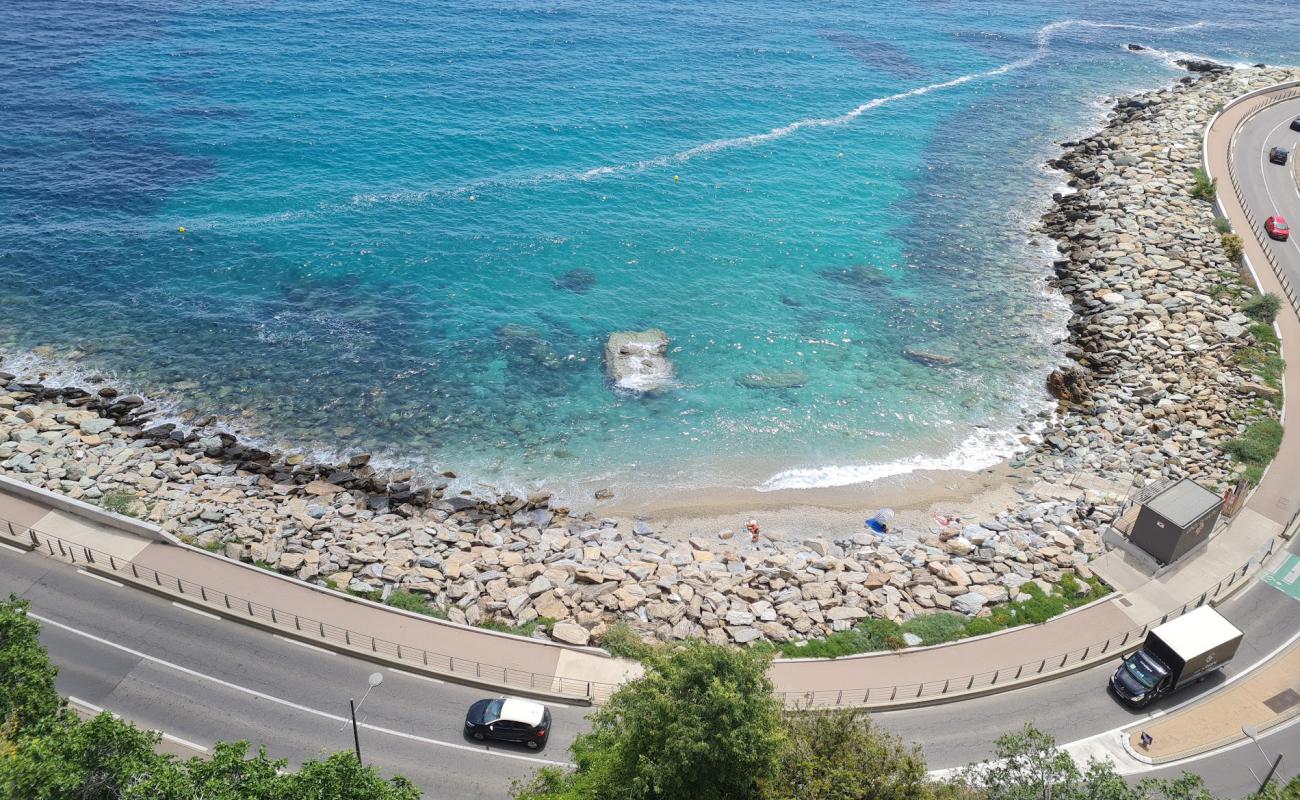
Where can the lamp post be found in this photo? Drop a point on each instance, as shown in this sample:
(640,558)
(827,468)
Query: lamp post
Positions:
(1253,735)
(374,680)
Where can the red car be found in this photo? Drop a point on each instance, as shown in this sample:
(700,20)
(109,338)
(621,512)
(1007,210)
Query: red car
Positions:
(1276,227)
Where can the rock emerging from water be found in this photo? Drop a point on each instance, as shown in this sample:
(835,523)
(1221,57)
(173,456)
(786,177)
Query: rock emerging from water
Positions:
(634,360)
(1069,384)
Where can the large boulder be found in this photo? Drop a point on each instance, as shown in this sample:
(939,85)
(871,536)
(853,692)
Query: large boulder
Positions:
(634,360)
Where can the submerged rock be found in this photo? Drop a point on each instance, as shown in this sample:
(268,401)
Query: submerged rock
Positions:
(859,276)
(930,359)
(786,379)
(578,281)
(634,360)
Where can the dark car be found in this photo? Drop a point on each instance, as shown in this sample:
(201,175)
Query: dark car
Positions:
(509,719)
(1278,155)
(1295,124)
(1276,227)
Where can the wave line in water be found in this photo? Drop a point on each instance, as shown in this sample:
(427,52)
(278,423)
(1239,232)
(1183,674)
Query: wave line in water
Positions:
(1043,38)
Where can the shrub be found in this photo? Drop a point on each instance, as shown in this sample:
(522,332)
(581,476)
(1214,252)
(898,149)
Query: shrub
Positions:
(1203,188)
(1262,307)
(1264,334)
(1222,225)
(411,601)
(1257,446)
(936,628)
(1232,247)
(118,501)
(621,640)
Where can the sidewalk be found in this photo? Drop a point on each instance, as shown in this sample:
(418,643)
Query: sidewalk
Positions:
(1267,697)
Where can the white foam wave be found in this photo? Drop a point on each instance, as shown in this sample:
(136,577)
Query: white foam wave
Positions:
(980,450)
(1170,58)
(1043,40)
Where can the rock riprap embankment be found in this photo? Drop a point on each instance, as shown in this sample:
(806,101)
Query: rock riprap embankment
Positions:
(1154,389)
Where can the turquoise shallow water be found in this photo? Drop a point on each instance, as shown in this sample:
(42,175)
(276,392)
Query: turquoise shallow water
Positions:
(379,199)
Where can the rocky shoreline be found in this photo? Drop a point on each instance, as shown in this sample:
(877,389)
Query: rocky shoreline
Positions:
(1154,390)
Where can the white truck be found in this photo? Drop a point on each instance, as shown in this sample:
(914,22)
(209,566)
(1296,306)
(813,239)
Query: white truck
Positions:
(1175,654)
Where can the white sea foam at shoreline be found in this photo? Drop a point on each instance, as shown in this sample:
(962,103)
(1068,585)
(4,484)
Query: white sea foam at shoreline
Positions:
(980,450)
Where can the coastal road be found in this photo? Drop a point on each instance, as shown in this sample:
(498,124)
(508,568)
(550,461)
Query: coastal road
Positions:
(1271,188)
(1078,706)
(204,679)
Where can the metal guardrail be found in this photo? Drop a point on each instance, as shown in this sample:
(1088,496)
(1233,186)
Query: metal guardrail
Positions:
(344,639)
(468,670)
(1256,227)
(1028,671)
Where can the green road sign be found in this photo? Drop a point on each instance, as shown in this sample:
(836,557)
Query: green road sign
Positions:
(1286,578)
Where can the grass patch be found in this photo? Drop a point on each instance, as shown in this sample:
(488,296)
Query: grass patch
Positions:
(874,635)
(1222,225)
(118,501)
(1263,361)
(526,629)
(621,640)
(1264,334)
(1262,307)
(1202,187)
(214,546)
(374,595)
(413,601)
(260,564)
(1256,447)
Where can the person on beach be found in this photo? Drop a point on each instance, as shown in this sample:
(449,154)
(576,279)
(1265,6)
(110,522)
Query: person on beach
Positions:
(752,527)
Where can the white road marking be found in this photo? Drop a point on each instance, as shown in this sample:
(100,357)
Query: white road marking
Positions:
(397,671)
(290,704)
(99,577)
(77,701)
(303,644)
(194,610)
(17,550)
(183,742)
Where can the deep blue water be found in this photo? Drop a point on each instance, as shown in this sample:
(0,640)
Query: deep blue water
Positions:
(379,197)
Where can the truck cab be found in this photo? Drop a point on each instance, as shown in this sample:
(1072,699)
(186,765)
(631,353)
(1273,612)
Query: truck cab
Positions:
(1140,678)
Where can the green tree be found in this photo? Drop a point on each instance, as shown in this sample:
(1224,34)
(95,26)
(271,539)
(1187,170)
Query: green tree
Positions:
(841,756)
(701,723)
(101,759)
(342,777)
(27,694)
(1029,766)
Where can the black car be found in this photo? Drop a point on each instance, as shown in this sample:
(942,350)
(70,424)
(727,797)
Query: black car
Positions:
(1295,124)
(509,719)
(1278,155)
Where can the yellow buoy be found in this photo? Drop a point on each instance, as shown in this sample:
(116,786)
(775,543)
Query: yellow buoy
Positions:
(181,229)
(676,178)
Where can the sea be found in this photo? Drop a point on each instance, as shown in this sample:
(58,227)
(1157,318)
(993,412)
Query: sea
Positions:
(408,228)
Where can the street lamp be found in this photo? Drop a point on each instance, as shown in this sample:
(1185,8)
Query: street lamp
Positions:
(374,680)
(1253,735)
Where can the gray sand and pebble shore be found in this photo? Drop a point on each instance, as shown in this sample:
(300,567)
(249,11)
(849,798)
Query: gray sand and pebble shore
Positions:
(1152,390)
